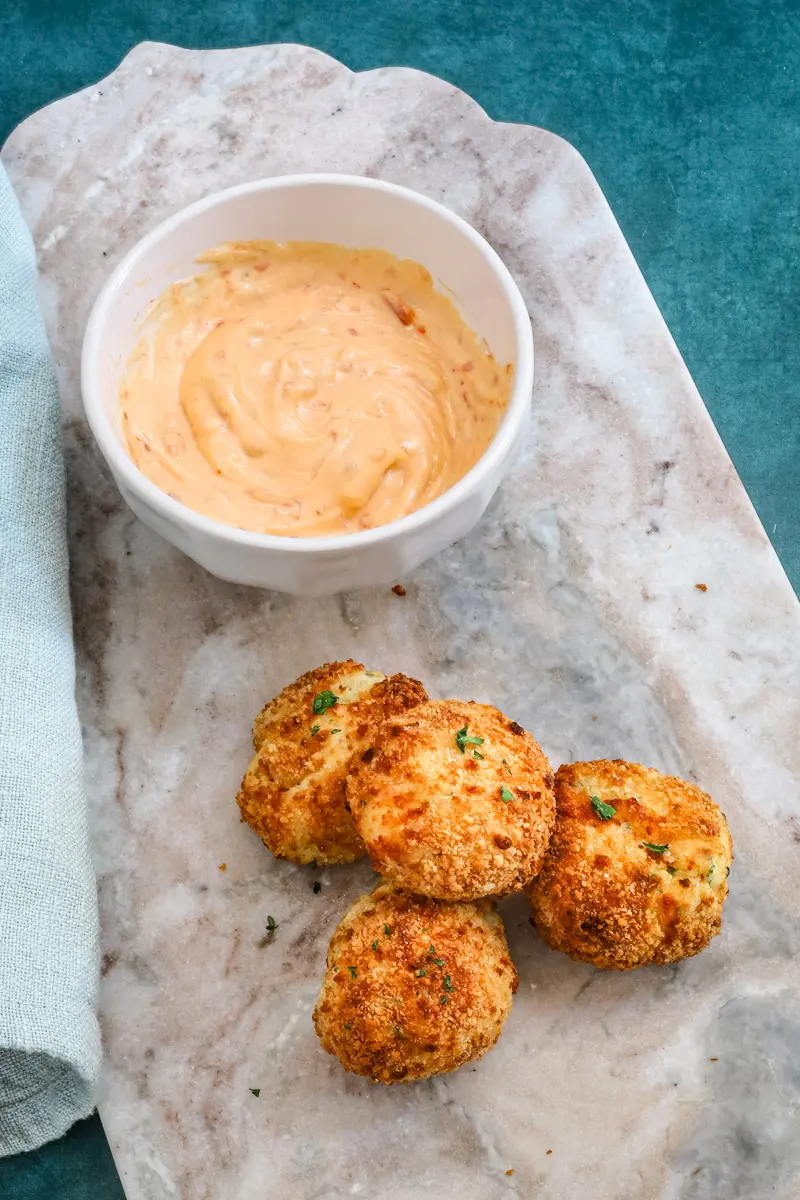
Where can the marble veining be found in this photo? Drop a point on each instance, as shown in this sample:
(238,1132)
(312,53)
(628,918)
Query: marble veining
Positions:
(573,606)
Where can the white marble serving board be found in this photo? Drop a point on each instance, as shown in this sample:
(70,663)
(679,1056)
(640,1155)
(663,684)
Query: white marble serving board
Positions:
(573,606)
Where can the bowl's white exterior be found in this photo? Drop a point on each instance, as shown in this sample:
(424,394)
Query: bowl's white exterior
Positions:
(332,208)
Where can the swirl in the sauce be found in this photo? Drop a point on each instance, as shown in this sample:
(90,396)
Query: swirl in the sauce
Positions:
(305,389)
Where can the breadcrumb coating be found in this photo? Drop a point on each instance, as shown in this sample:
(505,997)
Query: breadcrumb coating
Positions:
(454,800)
(306,739)
(414,987)
(637,867)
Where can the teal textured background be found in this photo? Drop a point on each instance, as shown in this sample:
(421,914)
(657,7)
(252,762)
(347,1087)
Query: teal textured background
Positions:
(687,112)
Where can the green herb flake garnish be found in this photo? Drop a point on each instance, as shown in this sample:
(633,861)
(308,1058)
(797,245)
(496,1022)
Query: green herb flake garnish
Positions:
(387,931)
(672,870)
(353,972)
(464,739)
(256,1091)
(272,924)
(375,944)
(604,811)
(654,849)
(443,1000)
(438,962)
(348,1024)
(422,973)
(477,754)
(447,985)
(314,730)
(336,731)
(431,949)
(506,795)
(323,702)
(317,887)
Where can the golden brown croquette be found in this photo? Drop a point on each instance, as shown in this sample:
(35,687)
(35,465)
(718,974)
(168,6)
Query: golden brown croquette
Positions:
(637,867)
(293,794)
(414,987)
(454,800)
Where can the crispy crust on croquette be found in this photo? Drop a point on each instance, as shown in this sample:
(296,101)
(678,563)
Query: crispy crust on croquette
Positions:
(414,987)
(293,794)
(448,824)
(602,896)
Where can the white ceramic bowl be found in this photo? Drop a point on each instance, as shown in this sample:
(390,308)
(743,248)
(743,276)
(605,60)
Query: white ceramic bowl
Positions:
(354,212)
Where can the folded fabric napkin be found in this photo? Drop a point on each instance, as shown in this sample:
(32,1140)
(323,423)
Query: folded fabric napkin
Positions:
(49,1036)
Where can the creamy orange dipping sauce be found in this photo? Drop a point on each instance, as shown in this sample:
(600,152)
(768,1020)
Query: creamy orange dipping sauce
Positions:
(305,389)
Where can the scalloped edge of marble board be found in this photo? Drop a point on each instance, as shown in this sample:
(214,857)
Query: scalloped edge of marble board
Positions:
(142,48)
(554,141)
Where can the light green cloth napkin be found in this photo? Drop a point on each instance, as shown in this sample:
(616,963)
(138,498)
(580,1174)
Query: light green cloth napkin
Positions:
(49,1036)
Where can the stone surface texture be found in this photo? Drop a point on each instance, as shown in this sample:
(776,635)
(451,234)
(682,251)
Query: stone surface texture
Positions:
(574,607)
